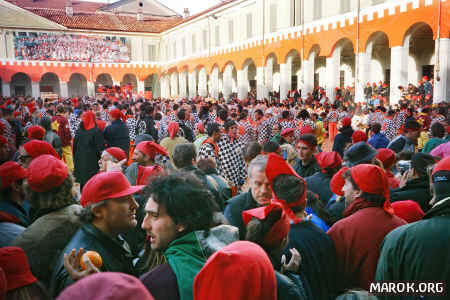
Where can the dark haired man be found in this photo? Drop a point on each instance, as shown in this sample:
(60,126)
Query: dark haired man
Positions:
(306,164)
(378,139)
(368,218)
(408,141)
(179,222)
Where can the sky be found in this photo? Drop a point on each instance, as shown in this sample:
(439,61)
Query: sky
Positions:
(179,5)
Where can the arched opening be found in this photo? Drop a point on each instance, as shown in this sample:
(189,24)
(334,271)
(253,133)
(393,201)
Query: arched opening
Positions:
(421,59)
(249,79)
(150,86)
(49,84)
(379,55)
(294,63)
(20,85)
(129,79)
(320,62)
(77,85)
(347,63)
(103,80)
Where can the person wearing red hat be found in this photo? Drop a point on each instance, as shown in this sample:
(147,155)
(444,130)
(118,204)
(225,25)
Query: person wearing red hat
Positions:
(107,286)
(33,149)
(50,136)
(20,281)
(306,164)
(179,213)
(408,210)
(268,226)
(173,139)
(143,156)
(63,131)
(88,146)
(359,136)
(35,132)
(408,141)
(344,137)
(368,218)
(423,244)
(239,271)
(388,158)
(332,120)
(14,212)
(7,151)
(54,216)
(111,156)
(116,134)
(315,247)
(109,210)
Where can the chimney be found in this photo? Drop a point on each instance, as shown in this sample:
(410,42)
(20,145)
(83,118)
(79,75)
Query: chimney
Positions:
(186,12)
(69,8)
(140,14)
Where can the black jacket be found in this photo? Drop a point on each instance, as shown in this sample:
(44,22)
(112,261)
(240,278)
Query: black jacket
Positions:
(342,139)
(309,170)
(146,125)
(53,139)
(417,190)
(115,255)
(88,146)
(117,135)
(289,287)
(319,183)
(234,209)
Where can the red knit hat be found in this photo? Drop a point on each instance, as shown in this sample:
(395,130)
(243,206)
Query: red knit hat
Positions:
(442,165)
(3,140)
(46,173)
(359,136)
(306,130)
(117,114)
(145,174)
(337,182)
(387,157)
(88,119)
(36,148)
(373,180)
(10,172)
(287,131)
(241,270)
(347,121)
(117,153)
(14,263)
(276,165)
(279,230)
(107,185)
(151,149)
(328,159)
(408,210)
(35,132)
(173,129)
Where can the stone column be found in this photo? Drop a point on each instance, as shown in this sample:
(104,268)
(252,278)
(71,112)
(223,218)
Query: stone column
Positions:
(259,83)
(202,83)
(285,79)
(182,84)
(6,89)
(227,82)
(399,71)
(364,70)
(192,85)
(35,90)
(268,78)
(441,91)
(332,70)
(309,73)
(215,83)
(63,89)
(242,82)
(174,85)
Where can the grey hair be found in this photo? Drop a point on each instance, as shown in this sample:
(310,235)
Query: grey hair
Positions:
(259,162)
(113,159)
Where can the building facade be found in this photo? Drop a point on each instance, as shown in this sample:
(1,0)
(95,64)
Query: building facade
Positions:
(239,45)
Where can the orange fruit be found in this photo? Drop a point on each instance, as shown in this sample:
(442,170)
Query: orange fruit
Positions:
(93,256)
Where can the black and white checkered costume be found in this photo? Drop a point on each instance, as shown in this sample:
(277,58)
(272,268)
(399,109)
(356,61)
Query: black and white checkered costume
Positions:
(249,133)
(74,123)
(264,130)
(229,161)
(131,124)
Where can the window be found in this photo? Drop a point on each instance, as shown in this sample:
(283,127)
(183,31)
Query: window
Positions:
(230,31)
(194,44)
(317,9)
(174,50)
(345,6)
(249,26)
(273,17)
(217,35)
(151,52)
(205,39)
(183,47)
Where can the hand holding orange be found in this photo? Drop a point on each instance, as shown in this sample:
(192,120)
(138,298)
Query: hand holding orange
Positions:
(93,256)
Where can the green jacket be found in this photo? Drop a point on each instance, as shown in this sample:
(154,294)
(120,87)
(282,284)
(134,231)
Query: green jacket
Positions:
(418,251)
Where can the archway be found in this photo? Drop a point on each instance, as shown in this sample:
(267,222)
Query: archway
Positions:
(77,85)
(421,59)
(248,82)
(49,84)
(151,88)
(104,80)
(347,64)
(129,79)
(378,54)
(272,76)
(20,85)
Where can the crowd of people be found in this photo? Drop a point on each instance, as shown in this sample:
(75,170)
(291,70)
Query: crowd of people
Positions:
(214,199)
(70,47)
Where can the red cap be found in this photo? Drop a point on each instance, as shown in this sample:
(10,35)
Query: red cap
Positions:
(279,230)
(347,121)
(306,130)
(201,127)
(408,210)
(37,148)
(2,128)
(107,185)
(117,114)
(425,78)
(14,263)
(35,132)
(276,165)
(337,182)
(173,129)
(3,140)
(88,119)
(359,136)
(287,131)
(151,149)
(328,159)
(387,157)
(442,165)
(117,153)
(241,270)
(145,174)
(46,173)
(10,172)
(373,180)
